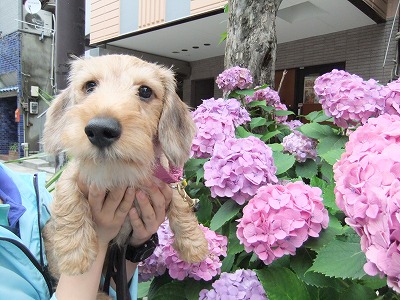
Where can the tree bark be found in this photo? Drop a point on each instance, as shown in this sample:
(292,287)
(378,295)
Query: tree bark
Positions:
(251,38)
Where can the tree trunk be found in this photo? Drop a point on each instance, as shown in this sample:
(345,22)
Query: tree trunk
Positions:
(251,39)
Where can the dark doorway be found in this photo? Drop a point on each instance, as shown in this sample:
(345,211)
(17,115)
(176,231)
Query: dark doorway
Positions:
(201,89)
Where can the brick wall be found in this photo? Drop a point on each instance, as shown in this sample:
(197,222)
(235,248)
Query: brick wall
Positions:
(10,61)
(363,49)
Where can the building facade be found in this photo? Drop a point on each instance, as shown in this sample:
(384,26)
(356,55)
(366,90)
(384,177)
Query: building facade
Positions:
(26,51)
(314,37)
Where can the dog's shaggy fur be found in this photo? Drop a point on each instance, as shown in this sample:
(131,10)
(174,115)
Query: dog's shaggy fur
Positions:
(138,100)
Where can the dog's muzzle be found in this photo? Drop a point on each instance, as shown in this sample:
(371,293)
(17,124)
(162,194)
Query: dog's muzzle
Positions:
(103,131)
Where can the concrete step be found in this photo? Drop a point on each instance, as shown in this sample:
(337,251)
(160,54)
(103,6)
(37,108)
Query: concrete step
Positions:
(35,163)
(47,169)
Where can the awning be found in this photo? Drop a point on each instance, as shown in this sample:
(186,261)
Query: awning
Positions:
(9,92)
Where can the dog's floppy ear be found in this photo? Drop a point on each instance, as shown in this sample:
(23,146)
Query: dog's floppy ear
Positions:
(55,122)
(176,128)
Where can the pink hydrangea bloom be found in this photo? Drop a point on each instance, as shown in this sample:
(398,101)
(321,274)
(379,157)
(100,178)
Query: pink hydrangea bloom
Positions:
(348,98)
(281,106)
(392,101)
(216,120)
(271,96)
(280,218)
(238,167)
(368,191)
(205,270)
(240,285)
(234,78)
(293,124)
(300,146)
(155,264)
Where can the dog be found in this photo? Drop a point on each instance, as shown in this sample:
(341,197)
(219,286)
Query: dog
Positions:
(118,120)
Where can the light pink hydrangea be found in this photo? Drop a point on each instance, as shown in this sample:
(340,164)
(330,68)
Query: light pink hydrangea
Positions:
(205,270)
(280,218)
(234,78)
(240,285)
(278,107)
(216,120)
(238,167)
(392,101)
(155,264)
(300,146)
(293,124)
(368,191)
(269,95)
(348,98)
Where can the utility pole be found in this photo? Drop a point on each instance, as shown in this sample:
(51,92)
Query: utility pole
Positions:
(70,37)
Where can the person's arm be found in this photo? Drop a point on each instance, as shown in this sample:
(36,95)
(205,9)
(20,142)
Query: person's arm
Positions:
(109,212)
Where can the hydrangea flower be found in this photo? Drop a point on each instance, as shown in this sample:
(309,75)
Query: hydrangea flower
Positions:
(348,98)
(216,120)
(368,191)
(269,95)
(300,146)
(234,78)
(392,101)
(155,264)
(238,167)
(241,285)
(280,218)
(205,270)
(293,124)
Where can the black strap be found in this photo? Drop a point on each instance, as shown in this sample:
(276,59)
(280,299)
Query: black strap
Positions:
(116,270)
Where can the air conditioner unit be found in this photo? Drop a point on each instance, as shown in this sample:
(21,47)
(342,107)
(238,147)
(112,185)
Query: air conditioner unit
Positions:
(39,23)
(33,108)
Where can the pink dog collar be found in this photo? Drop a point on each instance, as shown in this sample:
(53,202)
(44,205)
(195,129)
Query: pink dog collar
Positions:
(174,175)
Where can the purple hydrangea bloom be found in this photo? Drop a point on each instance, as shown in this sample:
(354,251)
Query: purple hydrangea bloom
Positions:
(271,96)
(216,120)
(241,285)
(300,146)
(392,101)
(348,98)
(234,78)
(238,167)
(293,124)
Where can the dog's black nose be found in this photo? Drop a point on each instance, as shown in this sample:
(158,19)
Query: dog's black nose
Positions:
(102,132)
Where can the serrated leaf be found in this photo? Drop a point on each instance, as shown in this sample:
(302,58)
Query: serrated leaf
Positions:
(307,169)
(315,130)
(326,171)
(282,284)
(332,156)
(224,214)
(283,161)
(341,259)
(269,135)
(357,291)
(330,143)
(257,122)
(242,133)
(170,291)
(282,113)
(193,288)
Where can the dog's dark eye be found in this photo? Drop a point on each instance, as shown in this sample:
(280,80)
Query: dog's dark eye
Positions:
(145,92)
(90,86)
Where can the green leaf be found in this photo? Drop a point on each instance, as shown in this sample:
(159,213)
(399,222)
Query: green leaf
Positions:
(224,214)
(342,259)
(242,133)
(283,161)
(282,284)
(307,169)
(332,156)
(193,288)
(205,209)
(234,245)
(357,291)
(326,171)
(281,113)
(269,135)
(143,289)
(317,116)
(331,142)
(223,35)
(227,263)
(257,122)
(170,291)
(276,147)
(315,130)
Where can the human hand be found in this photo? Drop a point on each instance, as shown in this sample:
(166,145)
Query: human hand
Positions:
(153,200)
(109,209)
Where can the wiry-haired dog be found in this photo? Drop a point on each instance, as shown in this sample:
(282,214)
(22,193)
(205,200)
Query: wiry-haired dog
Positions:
(117,119)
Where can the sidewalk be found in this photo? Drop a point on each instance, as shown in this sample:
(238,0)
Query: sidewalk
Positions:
(31,166)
